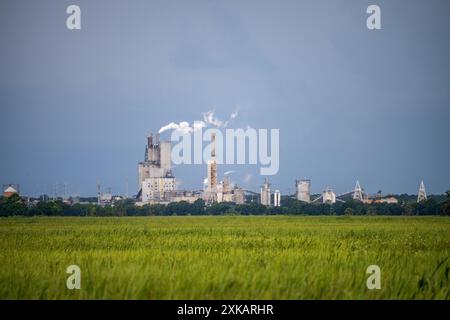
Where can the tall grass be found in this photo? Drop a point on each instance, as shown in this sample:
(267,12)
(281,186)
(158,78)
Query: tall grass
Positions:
(280,257)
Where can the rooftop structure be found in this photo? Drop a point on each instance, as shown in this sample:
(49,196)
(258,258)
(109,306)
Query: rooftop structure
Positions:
(9,191)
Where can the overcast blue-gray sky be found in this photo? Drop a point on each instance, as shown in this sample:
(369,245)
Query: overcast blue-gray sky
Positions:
(350,103)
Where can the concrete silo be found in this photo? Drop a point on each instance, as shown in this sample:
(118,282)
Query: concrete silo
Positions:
(303,187)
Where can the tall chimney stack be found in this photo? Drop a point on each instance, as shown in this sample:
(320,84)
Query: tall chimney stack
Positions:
(213,145)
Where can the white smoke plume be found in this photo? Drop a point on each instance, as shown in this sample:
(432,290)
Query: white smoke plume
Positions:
(170,126)
(228,172)
(184,127)
(198,125)
(209,119)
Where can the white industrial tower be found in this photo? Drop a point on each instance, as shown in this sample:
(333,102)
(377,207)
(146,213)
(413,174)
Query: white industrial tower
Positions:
(328,196)
(357,193)
(277,198)
(303,187)
(265,193)
(211,191)
(422,196)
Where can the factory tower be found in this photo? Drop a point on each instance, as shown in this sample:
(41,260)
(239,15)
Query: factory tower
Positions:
(211,189)
(265,193)
(303,187)
(156,182)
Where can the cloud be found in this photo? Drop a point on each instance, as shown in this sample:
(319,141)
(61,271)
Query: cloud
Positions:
(228,172)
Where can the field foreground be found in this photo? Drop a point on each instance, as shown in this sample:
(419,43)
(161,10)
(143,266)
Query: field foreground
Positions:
(262,257)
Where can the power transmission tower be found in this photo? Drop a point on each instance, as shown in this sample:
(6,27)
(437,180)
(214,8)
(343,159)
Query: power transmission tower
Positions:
(357,193)
(422,196)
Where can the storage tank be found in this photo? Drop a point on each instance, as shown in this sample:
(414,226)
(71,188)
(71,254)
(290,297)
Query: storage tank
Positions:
(303,187)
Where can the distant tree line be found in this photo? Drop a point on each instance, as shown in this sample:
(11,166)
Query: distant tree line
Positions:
(15,205)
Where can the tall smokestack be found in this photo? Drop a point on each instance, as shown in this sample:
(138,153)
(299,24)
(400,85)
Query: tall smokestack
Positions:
(212,170)
(213,145)
(157,138)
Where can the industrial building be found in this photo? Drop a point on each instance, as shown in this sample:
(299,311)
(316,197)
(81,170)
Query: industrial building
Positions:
(158,189)
(226,192)
(9,191)
(277,198)
(222,191)
(303,188)
(210,193)
(188,196)
(157,161)
(158,185)
(265,196)
(156,182)
(265,193)
(328,196)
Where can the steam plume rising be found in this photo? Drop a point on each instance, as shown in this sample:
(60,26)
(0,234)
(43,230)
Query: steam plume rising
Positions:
(208,119)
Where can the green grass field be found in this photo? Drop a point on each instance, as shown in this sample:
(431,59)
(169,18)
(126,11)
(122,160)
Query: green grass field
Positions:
(279,257)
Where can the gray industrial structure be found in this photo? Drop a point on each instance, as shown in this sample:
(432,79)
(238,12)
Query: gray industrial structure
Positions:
(226,192)
(210,194)
(265,193)
(328,196)
(303,188)
(223,191)
(158,185)
(277,198)
(156,182)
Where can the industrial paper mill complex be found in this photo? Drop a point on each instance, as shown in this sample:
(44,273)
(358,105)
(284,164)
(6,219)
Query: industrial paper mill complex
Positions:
(157,184)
